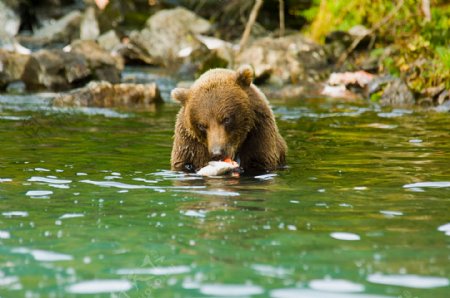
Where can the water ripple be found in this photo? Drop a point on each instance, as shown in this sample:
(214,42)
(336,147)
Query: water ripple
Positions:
(100,286)
(154,270)
(43,255)
(438,184)
(345,236)
(409,280)
(230,290)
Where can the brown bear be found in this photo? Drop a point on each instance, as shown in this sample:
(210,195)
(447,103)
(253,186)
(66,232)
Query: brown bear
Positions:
(224,115)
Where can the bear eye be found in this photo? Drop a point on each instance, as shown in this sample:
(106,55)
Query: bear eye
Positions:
(226,121)
(201,127)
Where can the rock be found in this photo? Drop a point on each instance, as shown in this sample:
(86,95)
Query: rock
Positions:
(9,25)
(12,66)
(62,31)
(55,70)
(82,61)
(339,91)
(104,94)
(359,78)
(289,59)
(170,36)
(397,93)
(9,20)
(105,66)
(336,43)
(444,107)
(109,41)
(89,26)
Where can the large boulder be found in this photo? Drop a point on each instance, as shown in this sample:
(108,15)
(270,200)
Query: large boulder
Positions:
(289,59)
(9,25)
(61,31)
(104,65)
(83,60)
(104,94)
(89,28)
(12,66)
(170,35)
(55,70)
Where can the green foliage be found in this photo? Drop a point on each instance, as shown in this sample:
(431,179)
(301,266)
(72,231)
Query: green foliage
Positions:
(421,48)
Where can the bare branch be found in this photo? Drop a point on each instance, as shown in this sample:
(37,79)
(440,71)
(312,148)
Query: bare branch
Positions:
(250,23)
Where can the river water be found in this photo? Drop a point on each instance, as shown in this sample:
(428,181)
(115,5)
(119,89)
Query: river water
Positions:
(88,205)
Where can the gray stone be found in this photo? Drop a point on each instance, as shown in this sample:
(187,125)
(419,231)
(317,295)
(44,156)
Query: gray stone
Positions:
(105,66)
(82,61)
(12,66)
(104,94)
(109,41)
(63,30)
(289,59)
(397,93)
(55,70)
(89,26)
(170,35)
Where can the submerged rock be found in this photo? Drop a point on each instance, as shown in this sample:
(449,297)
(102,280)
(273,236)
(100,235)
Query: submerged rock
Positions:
(169,35)
(289,59)
(104,94)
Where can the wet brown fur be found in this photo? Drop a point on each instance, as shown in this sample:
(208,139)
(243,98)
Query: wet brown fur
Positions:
(251,133)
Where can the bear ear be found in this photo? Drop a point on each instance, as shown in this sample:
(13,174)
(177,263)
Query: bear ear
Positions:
(180,95)
(244,75)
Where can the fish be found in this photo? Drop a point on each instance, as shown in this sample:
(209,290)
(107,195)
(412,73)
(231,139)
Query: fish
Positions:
(218,168)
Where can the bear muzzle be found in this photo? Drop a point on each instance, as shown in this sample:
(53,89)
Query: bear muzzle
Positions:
(217,152)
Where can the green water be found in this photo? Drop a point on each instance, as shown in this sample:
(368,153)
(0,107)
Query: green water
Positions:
(88,205)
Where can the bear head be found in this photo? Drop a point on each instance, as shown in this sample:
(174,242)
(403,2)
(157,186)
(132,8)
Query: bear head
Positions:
(217,110)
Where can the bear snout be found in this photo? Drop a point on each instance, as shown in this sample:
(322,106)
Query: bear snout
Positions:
(217,153)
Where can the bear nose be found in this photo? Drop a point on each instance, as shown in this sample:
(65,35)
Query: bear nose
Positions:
(217,153)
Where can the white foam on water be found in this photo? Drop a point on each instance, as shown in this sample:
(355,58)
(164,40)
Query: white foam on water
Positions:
(115,184)
(41,170)
(4,235)
(5,180)
(445,228)
(266,176)
(308,293)
(213,192)
(409,280)
(390,213)
(42,194)
(437,184)
(271,271)
(15,213)
(230,290)
(49,180)
(71,215)
(60,186)
(336,285)
(194,213)
(345,236)
(172,270)
(100,286)
(43,255)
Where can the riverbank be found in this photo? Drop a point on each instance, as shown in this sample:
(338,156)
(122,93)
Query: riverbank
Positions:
(73,44)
